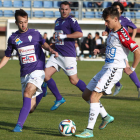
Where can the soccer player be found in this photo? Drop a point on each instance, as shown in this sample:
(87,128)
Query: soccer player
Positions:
(27,43)
(118,44)
(126,22)
(66,30)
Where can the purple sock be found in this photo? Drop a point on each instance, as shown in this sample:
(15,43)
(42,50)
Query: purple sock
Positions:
(38,98)
(118,84)
(135,79)
(81,85)
(52,86)
(24,111)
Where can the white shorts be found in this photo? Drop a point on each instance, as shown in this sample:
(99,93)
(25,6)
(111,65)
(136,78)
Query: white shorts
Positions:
(68,64)
(104,80)
(36,78)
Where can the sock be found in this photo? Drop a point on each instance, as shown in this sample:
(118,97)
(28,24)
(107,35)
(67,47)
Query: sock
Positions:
(118,84)
(135,79)
(52,86)
(38,98)
(93,114)
(102,111)
(81,85)
(24,111)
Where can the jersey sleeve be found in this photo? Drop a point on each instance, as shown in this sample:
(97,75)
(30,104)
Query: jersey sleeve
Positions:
(41,39)
(10,48)
(75,26)
(126,40)
(130,23)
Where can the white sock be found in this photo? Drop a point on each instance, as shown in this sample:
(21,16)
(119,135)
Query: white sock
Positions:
(93,114)
(102,112)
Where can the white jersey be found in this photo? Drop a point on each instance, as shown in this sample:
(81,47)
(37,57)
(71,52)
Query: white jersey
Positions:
(118,45)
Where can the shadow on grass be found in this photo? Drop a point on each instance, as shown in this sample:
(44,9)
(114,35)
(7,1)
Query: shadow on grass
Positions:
(106,96)
(10,89)
(46,131)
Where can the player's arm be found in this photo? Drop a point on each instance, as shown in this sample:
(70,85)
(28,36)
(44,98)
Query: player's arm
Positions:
(4,61)
(73,35)
(134,33)
(48,48)
(127,42)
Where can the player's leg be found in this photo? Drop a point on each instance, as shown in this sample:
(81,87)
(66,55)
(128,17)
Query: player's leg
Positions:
(28,93)
(93,114)
(77,82)
(134,78)
(52,86)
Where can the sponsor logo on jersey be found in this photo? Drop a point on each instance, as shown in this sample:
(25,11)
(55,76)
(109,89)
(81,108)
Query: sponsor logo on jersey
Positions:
(28,59)
(125,35)
(30,38)
(69,68)
(18,41)
(57,23)
(26,50)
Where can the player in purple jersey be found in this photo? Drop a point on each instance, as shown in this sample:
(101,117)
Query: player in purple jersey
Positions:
(126,22)
(66,30)
(28,43)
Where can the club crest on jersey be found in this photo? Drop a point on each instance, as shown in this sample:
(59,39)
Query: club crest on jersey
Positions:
(57,23)
(73,19)
(30,38)
(18,41)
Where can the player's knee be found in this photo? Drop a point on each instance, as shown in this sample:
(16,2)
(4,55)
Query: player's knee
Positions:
(32,109)
(72,81)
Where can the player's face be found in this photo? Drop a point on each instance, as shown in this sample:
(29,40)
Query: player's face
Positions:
(119,10)
(65,11)
(110,22)
(22,23)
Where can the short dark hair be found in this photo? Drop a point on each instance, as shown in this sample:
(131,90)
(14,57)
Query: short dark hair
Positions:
(21,13)
(119,4)
(65,3)
(97,33)
(110,11)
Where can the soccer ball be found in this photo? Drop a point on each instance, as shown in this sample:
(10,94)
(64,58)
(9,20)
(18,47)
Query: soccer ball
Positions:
(67,127)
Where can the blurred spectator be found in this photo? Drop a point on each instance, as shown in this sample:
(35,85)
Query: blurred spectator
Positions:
(46,38)
(134,6)
(98,43)
(52,39)
(123,2)
(73,5)
(77,47)
(87,45)
(47,41)
(98,5)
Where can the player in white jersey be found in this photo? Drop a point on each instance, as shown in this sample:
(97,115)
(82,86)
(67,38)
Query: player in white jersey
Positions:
(101,84)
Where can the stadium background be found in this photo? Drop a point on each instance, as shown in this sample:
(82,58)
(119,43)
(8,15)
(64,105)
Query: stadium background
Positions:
(43,13)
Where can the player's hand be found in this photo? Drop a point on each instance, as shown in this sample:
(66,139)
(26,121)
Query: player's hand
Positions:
(104,33)
(87,46)
(54,52)
(96,51)
(62,36)
(128,70)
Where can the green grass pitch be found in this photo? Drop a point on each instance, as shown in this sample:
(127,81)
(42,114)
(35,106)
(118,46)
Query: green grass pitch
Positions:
(43,123)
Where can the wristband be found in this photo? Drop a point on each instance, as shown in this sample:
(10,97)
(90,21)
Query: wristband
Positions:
(133,69)
(63,36)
